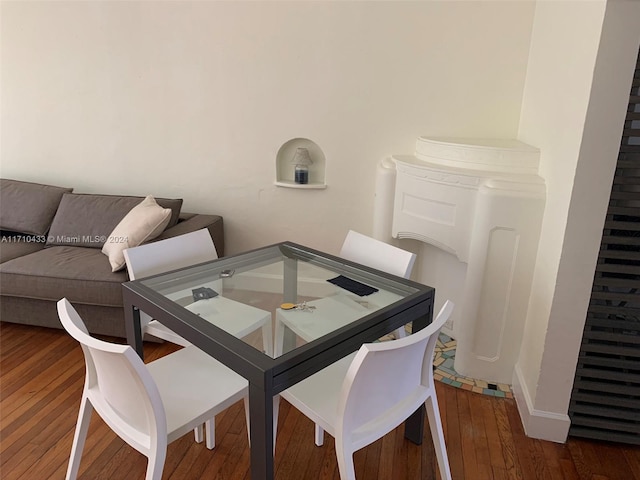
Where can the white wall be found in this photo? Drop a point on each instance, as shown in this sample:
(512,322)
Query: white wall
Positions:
(194,99)
(579,76)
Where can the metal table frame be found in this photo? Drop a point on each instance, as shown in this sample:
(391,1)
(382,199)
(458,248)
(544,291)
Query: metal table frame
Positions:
(269,376)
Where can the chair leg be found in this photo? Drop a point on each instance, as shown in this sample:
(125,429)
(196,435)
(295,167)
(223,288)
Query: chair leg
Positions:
(345,461)
(400,332)
(157,457)
(437,434)
(247,419)
(79,437)
(197,433)
(319,435)
(278,338)
(210,432)
(276,412)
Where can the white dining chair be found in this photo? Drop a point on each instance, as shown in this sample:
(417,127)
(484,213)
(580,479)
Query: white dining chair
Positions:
(148,406)
(163,256)
(338,310)
(377,254)
(184,251)
(367,394)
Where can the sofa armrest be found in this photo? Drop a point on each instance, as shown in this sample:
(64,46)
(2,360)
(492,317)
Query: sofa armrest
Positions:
(190,222)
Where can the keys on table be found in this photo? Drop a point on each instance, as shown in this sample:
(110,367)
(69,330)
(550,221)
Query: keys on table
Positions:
(298,306)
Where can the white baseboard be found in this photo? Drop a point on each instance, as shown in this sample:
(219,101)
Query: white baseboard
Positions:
(539,424)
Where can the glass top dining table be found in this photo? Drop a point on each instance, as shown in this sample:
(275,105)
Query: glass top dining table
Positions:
(277,315)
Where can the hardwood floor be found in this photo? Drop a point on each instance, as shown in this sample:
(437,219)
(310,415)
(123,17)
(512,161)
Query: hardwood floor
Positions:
(41,379)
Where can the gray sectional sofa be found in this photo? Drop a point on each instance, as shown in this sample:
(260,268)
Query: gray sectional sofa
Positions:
(51,247)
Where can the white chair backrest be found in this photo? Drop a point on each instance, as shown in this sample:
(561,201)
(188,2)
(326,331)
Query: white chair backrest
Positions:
(170,254)
(118,384)
(388,381)
(377,254)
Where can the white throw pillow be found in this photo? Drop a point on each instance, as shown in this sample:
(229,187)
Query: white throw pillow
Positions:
(144,222)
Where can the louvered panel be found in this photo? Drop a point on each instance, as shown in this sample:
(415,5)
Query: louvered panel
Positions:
(608,239)
(614,296)
(612,375)
(630,148)
(596,347)
(610,323)
(606,320)
(616,268)
(607,361)
(620,210)
(628,161)
(617,413)
(620,225)
(617,195)
(606,435)
(620,337)
(614,310)
(600,423)
(605,402)
(621,388)
(615,283)
(627,175)
(609,254)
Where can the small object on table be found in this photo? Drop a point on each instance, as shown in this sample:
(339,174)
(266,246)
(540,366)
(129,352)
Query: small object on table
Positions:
(203,293)
(353,286)
(298,306)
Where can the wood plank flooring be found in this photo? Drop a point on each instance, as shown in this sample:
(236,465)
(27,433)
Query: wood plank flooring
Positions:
(41,379)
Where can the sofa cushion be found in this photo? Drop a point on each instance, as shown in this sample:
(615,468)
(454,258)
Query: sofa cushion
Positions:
(86,220)
(82,275)
(14,245)
(144,222)
(28,207)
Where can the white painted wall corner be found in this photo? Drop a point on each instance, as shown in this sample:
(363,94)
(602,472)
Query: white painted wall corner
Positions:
(539,424)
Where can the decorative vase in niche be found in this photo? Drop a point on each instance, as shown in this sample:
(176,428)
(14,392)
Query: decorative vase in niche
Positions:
(301,159)
(302,174)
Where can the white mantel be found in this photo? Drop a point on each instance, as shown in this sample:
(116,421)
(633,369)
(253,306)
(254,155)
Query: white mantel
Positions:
(499,155)
(480,201)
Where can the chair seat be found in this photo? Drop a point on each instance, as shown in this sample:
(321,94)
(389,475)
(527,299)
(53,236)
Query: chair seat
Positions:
(233,317)
(317,396)
(236,318)
(335,311)
(175,377)
(155,329)
(329,314)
